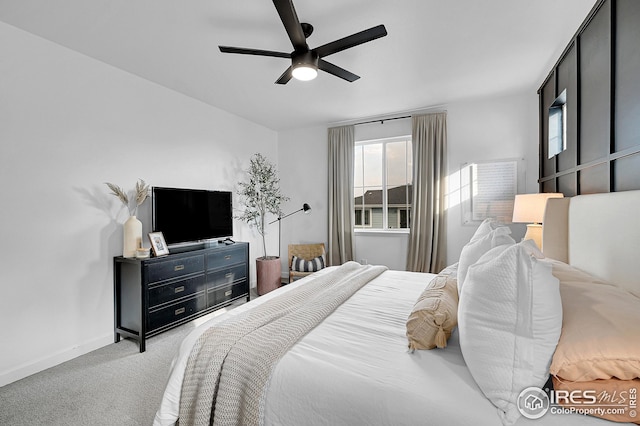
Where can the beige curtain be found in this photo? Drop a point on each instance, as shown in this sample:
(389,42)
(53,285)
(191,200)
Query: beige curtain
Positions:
(341,152)
(427,240)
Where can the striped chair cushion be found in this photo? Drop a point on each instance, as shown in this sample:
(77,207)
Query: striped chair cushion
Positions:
(300,265)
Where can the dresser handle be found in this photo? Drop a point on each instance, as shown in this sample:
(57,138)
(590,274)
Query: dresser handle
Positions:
(228,275)
(179,311)
(178,289)
(178,268)
(228,292)
(227,257)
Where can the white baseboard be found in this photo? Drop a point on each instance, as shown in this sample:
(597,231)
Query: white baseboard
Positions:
(27,369)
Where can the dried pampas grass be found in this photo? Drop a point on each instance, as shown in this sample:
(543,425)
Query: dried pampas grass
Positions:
(141,194)
(118,192)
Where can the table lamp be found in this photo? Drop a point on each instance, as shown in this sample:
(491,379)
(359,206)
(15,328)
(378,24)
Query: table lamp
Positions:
(529,209)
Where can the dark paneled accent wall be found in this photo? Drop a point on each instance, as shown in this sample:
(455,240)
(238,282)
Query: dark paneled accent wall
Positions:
(600,71)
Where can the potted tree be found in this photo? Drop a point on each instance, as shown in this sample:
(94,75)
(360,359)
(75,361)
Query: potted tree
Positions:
(260,195)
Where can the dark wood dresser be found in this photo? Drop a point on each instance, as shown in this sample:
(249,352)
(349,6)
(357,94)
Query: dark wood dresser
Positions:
(155,294)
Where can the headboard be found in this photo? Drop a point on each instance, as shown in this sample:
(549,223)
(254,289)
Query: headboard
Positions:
(598,233)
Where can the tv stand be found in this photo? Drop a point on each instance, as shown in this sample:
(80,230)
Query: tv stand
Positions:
(155,294)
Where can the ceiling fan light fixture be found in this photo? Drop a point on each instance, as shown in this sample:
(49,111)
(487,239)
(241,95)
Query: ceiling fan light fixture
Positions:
(304,72)
(305,62)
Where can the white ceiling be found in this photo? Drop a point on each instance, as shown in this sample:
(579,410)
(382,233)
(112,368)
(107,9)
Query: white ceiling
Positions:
(436,51)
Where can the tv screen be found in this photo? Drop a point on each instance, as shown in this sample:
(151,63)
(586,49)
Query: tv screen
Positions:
(187,215)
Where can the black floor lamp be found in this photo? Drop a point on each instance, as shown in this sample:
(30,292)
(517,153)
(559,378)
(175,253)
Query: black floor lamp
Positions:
(305,208)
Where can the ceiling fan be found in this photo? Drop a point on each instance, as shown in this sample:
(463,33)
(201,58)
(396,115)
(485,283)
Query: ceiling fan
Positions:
(305,62)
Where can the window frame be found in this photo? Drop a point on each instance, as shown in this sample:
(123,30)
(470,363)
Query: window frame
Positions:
(385,205)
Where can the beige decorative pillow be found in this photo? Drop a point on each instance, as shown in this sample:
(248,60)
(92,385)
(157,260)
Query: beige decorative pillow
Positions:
(435,314)
(600,337)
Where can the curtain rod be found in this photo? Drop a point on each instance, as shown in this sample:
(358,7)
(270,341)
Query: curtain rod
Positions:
(382,120)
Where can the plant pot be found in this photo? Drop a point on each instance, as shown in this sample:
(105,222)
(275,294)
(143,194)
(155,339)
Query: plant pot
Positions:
(267,274)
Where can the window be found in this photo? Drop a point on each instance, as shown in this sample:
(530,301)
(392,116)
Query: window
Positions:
(403,218)
(359,217)
(382,183)
(558,125)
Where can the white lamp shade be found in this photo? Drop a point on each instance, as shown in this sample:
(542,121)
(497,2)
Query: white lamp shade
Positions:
(529,208)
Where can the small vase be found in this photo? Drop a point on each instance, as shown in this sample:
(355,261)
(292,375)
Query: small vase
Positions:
(132,237)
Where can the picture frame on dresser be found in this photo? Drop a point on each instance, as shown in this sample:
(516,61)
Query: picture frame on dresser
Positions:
(158,244)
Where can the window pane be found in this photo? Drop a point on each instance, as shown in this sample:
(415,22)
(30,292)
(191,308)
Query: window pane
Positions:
(372,164)
(357,168)
(397,206)
(409,162)
(373,206)
(396,163)
(358,205)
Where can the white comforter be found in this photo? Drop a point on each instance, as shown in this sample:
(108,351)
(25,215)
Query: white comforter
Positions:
(354,369)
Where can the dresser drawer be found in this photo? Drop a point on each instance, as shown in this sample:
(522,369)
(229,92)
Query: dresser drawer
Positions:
(155,294)
(226,276)
(228,256)
(173,313)
(175,290)
(220,295)
(175,268)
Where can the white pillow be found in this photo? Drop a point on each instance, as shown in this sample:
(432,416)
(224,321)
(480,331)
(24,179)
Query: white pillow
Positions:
(491,254)
(509,321)
(485,227)
(476,248)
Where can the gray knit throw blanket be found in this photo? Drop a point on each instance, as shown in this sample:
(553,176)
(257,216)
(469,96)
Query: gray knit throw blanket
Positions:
(229,368)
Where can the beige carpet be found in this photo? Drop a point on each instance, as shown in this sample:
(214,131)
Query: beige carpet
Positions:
(114,385)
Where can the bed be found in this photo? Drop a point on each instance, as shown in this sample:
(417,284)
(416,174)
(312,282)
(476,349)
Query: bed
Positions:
(354,367)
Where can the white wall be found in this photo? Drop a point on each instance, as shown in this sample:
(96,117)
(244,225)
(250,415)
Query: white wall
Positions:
(382,248)
(484,130)
(68,124)
(487,129)
(304,174)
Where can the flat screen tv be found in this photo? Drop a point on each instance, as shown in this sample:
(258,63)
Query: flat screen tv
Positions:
(191,215)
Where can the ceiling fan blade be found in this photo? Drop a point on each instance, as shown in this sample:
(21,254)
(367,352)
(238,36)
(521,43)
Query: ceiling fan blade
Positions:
(337,71)
(243,51)
(350,41)
(291,23)
(285,77)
